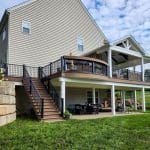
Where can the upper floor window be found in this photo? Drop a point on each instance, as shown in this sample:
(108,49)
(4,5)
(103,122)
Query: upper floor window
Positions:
(26,27)
(80,43)
(4,34)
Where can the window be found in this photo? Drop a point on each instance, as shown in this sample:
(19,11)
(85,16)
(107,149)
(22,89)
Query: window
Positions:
(80,44)
(4,34)
(90,97)
(26,27)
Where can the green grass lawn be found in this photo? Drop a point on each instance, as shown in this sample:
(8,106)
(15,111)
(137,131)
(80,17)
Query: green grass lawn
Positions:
(122,133)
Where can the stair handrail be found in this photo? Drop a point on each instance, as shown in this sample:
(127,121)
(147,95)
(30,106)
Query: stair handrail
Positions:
(51,91)
(33,91)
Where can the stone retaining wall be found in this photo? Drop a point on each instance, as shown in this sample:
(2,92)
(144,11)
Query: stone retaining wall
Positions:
(7,102)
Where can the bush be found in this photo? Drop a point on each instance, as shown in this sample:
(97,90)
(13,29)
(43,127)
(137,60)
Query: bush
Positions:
(1,74)
(67,115)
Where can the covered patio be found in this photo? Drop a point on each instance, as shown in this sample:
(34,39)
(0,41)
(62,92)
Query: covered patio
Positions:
(75,92)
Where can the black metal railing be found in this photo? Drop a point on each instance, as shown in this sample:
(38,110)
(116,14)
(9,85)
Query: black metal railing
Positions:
(147,78)
(30,87)
(52,92)
(74,64)
(14,70)
(127,75)
(85,66)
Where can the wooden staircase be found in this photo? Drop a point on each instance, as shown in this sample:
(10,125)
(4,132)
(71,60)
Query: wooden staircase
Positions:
(43,104)
(50,110)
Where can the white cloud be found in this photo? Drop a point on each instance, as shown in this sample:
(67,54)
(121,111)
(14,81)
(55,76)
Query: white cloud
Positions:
(118,18)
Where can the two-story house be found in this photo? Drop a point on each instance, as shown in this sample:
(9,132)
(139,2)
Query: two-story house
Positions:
(61,54)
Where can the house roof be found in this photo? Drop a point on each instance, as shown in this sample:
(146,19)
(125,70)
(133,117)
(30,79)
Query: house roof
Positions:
(132,39)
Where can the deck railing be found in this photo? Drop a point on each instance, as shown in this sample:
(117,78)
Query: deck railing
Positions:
(75,64)
(72,64)
(127,75)
(52,92)
(30,87)
(14,70)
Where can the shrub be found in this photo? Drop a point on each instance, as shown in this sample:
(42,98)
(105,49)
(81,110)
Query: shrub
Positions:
(1,74)
(67,115)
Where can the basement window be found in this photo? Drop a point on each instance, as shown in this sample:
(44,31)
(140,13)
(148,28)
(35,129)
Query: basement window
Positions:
(26,27)
(80,43)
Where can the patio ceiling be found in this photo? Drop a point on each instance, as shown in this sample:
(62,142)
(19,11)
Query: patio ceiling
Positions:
(124,61)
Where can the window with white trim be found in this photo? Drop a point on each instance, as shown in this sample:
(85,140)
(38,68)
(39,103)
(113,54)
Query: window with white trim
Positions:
(26,27)
(80,44)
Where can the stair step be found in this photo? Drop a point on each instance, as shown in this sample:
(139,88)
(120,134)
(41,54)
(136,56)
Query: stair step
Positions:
(52,117)
(51,111)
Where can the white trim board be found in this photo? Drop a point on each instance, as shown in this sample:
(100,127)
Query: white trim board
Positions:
(126,51)
(94,82)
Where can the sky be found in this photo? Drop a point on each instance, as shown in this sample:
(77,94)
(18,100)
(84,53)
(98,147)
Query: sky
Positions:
(116,18)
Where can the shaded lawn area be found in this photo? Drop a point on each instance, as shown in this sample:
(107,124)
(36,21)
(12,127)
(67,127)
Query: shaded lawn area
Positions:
(128,132)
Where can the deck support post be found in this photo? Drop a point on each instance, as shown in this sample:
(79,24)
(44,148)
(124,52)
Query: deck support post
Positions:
(93,96)
(135,100)
(63,93)
(110,63)
(113,100)
(143,99)
(142,68)
(124,100)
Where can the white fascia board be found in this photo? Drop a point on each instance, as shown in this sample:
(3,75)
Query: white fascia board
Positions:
(147,57)
(120,40)
(94,82)
(20,5)
(130,37)
(126,51)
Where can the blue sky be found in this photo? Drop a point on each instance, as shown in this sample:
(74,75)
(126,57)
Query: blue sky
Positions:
(116,18)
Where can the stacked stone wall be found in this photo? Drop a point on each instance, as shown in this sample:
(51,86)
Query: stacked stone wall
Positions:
(7,102)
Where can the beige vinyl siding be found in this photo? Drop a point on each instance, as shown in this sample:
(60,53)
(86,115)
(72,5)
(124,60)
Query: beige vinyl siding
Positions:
(4,44)
(79,95)
(55,25)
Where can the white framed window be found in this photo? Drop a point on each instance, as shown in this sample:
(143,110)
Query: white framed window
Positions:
(80,43)
(4,34)
(26,27)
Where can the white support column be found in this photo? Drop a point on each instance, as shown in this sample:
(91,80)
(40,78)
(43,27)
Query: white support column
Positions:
(143,99)
(124,100)
(94,102)
(142,68)
(135,100)
(113,100)
(110,63)
(63,93)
